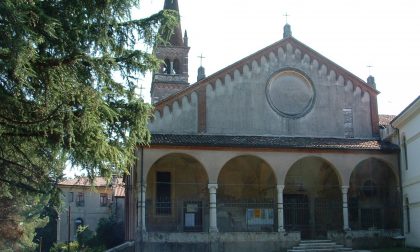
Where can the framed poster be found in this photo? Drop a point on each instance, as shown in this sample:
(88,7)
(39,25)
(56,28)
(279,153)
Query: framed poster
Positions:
(259,216)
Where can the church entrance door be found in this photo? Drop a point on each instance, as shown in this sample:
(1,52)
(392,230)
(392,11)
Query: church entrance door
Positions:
(296,214)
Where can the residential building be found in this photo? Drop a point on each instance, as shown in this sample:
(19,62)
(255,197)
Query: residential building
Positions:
(407,125)
(86,202)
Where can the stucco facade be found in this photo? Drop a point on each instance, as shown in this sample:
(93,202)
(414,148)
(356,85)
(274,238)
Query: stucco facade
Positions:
(408,133)
(85,204)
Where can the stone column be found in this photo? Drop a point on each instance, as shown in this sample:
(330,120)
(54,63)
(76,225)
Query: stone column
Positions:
(344,191)
(143,206)
(172,68)
(280,224)
(213,210)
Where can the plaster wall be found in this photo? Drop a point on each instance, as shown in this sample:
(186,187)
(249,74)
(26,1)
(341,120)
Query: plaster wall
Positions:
(410,170)
(180,118)
(90,213)
(237,103)
(241,103)
(219,242)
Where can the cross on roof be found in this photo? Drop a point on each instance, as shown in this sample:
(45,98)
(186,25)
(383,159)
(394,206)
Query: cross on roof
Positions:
(201,59)
(286,15)
(369,67)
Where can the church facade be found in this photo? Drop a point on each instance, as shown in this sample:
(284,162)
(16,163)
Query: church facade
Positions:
(279,147)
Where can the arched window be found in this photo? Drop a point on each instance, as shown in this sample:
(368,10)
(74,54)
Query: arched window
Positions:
(167,67)
(177,67)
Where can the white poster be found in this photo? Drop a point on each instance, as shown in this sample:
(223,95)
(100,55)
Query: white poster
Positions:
(190,219)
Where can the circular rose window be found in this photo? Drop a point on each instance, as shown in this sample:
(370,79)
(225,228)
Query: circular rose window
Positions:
(290,93)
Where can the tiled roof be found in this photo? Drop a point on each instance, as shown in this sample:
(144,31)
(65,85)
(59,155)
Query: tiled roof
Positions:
(84,181)
(272,142)
(385,120)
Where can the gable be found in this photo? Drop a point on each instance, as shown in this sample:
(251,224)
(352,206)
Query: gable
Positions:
(286,89)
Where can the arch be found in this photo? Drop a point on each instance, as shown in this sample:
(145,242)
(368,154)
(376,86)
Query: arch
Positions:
(246,195)
(176,67)
(167,66)
(312,198)
(374,198)
(176,192)
(325,161)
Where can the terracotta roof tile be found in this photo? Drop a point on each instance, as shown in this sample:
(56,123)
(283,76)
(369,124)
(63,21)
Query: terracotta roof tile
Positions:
(84,181)
(385,120)
(272,142)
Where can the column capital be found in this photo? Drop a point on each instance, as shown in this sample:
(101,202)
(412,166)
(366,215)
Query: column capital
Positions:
(345,189)
(280,188)
(212,186)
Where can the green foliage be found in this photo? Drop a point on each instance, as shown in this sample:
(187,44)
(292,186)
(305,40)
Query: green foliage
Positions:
(110,232)
(68,75)
(63,247)
(47,235)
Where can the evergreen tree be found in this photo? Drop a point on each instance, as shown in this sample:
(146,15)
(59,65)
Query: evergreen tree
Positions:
(68,74)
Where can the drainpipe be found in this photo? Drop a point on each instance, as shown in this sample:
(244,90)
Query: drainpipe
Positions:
(401,187)
(141,199)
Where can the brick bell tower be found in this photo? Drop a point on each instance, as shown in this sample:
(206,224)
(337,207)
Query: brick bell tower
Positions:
(173,74)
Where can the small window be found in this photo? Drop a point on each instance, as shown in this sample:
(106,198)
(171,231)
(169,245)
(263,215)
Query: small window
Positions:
(163,193)
(103,200)
(167,68)
(80,200)
(71,196)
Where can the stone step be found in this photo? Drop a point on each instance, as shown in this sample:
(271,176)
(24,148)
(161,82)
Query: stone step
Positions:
(321,250)
(314,241)
(319,247)
(318,244)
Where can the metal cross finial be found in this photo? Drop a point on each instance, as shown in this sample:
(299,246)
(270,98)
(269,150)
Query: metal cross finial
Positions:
(369,67)
(286,15)
(201,59)
(141,90)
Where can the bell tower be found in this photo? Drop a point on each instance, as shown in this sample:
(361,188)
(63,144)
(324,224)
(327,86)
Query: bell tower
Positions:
(173,74)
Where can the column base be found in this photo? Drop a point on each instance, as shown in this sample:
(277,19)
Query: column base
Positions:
(213,230)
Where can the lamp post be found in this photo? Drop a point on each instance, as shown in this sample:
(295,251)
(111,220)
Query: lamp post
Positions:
(68,229)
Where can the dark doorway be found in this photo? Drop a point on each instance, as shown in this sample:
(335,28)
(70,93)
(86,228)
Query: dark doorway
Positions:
(296,214)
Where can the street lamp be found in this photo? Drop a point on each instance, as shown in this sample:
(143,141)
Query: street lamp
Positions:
(68,228)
